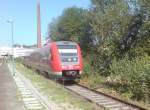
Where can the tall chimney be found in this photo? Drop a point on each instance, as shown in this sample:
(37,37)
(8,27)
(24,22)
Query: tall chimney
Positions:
(38,25)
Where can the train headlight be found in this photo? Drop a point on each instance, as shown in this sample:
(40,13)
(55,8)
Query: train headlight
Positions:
(69,59)
(74,59)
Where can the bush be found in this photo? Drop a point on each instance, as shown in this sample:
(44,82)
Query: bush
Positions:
(133,75)
(86,69)
(90,76)
(95,81)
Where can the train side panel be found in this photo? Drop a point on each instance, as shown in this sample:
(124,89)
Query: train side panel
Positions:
(54,60)
(61,59)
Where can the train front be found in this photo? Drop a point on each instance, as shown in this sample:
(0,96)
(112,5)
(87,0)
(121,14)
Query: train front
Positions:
(70,60)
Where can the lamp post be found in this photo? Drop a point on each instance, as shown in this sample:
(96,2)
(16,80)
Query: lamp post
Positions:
(12,41)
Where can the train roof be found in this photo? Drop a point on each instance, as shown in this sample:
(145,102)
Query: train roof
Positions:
(65,43)
(60,43)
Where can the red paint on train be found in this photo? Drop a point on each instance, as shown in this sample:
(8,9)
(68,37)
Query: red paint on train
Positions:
(62,59)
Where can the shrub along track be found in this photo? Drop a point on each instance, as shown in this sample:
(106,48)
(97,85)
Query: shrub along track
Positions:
(101,99)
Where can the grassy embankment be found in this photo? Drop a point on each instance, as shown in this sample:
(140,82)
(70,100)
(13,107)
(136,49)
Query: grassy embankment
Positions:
(129,80)
(56,93)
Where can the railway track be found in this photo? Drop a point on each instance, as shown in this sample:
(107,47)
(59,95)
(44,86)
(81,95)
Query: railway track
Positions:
(32,99)
(103,100)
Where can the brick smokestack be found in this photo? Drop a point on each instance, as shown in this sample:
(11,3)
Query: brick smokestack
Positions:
(38,25)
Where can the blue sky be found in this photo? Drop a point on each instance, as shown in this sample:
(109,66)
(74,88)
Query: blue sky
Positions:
(23,13)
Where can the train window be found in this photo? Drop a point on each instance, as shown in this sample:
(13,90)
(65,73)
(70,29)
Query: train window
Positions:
(68,54)
(67,46)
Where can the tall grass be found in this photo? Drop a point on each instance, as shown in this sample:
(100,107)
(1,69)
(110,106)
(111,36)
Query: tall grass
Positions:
(132,77)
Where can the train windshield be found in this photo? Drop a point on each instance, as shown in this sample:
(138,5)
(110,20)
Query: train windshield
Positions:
(67,46)
(68,53)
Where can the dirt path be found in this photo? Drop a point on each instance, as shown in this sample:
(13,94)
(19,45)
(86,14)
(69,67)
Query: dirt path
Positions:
(8,91)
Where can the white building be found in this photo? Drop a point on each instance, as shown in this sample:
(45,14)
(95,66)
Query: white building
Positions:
(16,52)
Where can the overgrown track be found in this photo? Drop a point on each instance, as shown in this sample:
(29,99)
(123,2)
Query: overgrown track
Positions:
(31,97)
(101,99)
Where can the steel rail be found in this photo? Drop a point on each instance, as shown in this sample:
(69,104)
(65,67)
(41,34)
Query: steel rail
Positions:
(102,99)
(115,98)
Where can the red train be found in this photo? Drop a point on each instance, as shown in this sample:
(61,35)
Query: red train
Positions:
(61,60)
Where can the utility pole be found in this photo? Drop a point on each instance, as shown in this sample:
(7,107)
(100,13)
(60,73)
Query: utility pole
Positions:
(12,40)
(38,25)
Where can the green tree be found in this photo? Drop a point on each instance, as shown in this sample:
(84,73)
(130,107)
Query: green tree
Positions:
(140,46)
(72,25)
(52,30)
(109,21)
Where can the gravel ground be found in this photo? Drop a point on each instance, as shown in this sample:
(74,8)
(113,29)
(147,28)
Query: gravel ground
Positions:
(9,99)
